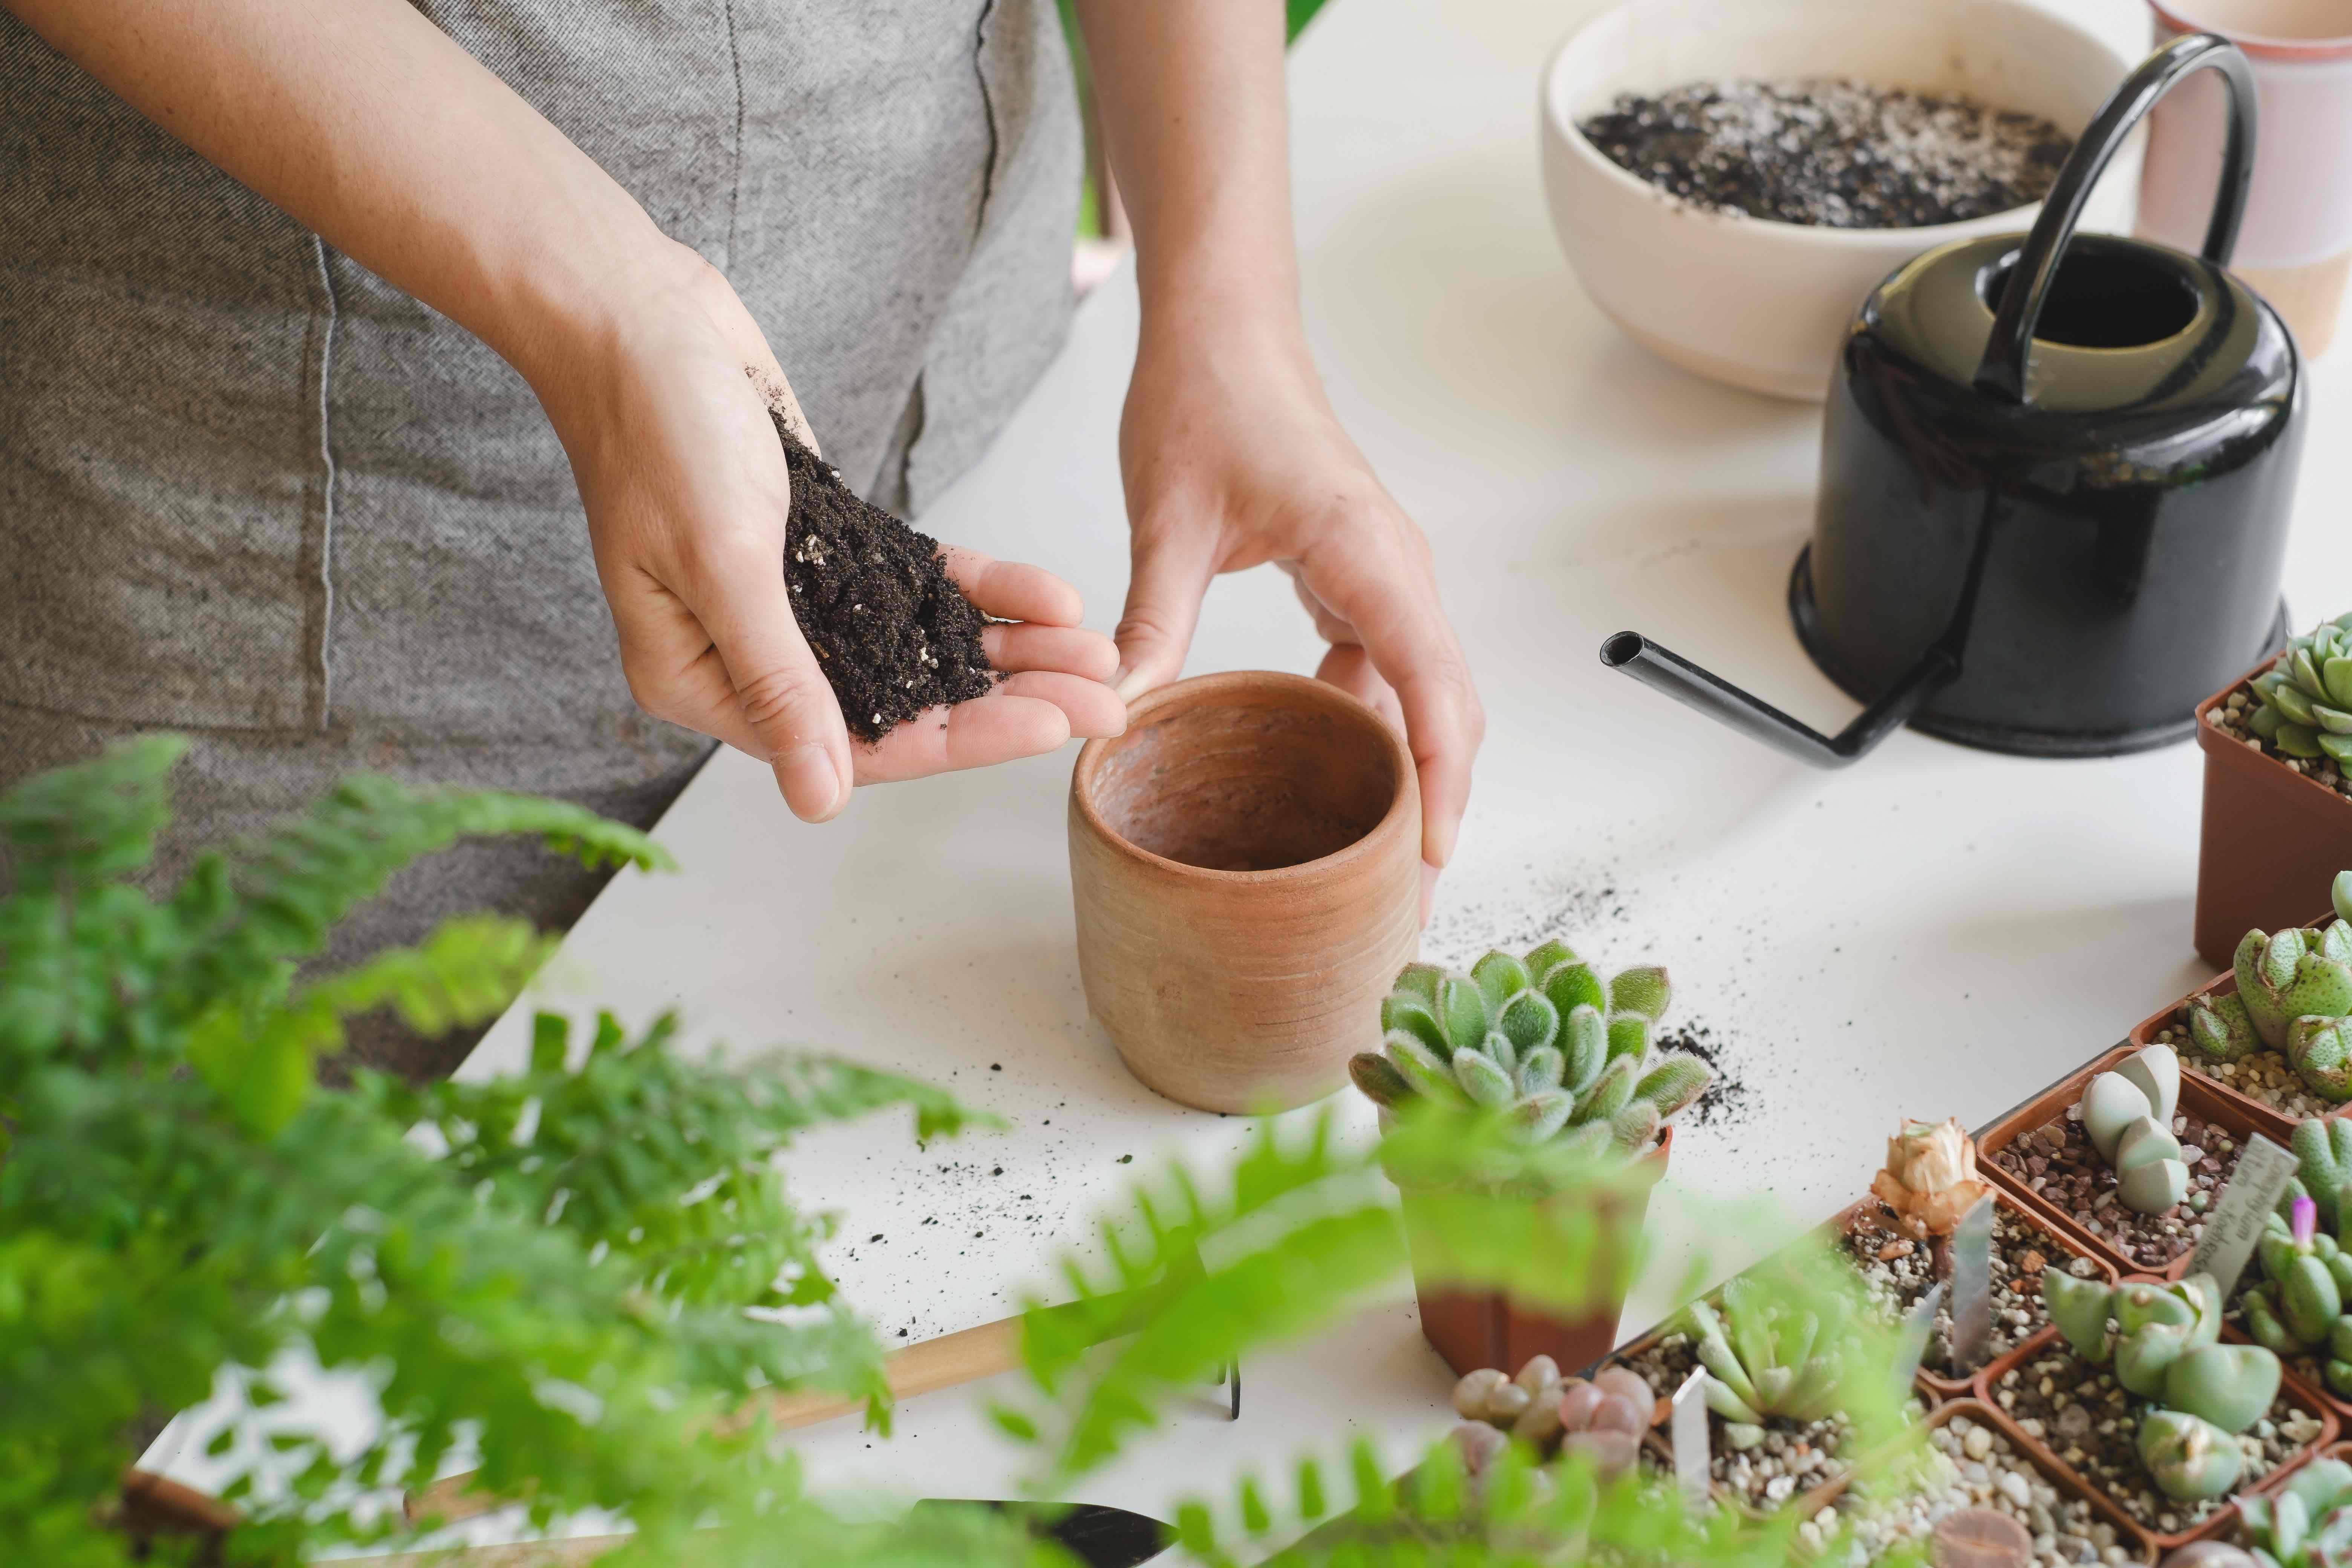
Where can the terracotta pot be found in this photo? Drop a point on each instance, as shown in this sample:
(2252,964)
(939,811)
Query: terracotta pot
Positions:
(2222,1521)
(2176,1018)
(154,1508)
(1472,1329)
(2234,1112)
(2272,843)
(1246,862)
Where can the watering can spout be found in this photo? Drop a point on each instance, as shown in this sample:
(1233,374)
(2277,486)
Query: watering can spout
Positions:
(1662,669)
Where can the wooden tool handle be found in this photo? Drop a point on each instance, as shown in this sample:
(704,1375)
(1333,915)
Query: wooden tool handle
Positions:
(965,1356)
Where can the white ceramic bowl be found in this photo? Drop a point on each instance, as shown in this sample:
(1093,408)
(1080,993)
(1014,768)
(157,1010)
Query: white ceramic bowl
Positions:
(1764,305)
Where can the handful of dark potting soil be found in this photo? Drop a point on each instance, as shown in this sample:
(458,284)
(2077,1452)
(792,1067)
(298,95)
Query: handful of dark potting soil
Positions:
(888,627)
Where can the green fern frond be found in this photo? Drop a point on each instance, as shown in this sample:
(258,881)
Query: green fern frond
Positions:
(93,822)
(277,897)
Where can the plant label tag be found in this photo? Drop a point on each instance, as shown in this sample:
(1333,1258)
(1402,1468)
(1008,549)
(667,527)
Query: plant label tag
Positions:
(2261,1174)
(1972,1287)
(1688,1428)
(1911,1339)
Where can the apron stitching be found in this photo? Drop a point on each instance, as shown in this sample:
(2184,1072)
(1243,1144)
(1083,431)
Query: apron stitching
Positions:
(735,196)
(324,673)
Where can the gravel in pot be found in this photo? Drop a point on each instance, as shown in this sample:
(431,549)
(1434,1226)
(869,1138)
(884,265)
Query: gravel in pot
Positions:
(2089,1421)
(2058,1162)
(1898,1271)
(1971,1464)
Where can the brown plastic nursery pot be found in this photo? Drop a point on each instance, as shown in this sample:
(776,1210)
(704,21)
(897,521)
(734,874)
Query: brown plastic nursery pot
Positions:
(2225,983)
(2037,1453)
(2223,1519)
(1850,1217)
(2272,842)
(1807,1503)
(1245,866)
(2207,1099)
(1473,1329)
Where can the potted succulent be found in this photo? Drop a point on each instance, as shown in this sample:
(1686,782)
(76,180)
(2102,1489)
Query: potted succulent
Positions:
(2139,1396)
(2278,795)
(2306,1523)
(1899,1240)
(2278,1027)
(1779,1365)
(2127,1156)
(1565,1057)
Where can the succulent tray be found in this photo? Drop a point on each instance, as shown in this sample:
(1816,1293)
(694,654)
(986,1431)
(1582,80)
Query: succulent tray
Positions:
(2037,1432)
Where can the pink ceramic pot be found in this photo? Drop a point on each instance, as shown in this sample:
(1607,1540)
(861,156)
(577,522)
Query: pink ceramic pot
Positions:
(2296,246)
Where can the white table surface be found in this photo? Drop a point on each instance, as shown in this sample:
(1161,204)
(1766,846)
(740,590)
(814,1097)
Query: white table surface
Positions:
(1934,931)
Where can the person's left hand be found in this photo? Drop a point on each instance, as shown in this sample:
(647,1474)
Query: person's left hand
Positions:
(1232,458)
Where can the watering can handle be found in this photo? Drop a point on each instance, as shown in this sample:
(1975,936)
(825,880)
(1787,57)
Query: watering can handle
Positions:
(2001,373)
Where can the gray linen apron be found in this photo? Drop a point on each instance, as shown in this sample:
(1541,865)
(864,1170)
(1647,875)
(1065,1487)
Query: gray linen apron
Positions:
(250,492)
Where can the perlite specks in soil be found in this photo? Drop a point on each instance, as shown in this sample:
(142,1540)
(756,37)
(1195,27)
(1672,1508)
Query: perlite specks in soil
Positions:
(1831,153)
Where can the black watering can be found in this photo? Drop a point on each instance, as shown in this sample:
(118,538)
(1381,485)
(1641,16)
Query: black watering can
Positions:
(2055,481)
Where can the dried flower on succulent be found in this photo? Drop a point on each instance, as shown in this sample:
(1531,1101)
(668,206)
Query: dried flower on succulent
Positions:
(1930,1179)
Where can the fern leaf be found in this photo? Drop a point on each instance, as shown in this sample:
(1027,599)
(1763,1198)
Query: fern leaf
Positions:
(92,822)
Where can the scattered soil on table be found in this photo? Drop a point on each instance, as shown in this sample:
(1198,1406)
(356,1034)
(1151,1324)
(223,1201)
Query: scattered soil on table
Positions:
(2230,717)
(1898,1271)
(1727,1099)
(1793,1459)
(2058,1160)
(2090,1422)
(2260,1074)
(1970,1465)
(1832,153)
(874,601)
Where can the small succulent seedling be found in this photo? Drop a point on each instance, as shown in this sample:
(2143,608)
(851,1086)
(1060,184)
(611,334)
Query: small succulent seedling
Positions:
(2163,1344)
(1541,1040)
(2298,1307)
(2295,996)
(1766,1359)
(2305,698)
(2307,1523)
(2323,1156)
(1604,1417)
(2127,1115)
(1930,1177)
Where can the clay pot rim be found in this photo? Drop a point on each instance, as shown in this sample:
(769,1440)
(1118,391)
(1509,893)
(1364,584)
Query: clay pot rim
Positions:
(1405,803)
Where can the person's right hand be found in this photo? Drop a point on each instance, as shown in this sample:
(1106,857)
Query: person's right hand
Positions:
(687,496)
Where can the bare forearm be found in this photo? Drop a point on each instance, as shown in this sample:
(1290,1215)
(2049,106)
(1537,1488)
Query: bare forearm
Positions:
(1191,95)
(370,126)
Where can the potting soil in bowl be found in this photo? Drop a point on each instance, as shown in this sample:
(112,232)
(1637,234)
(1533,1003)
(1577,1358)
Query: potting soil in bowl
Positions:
(1832,153)
(888,627)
